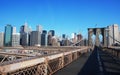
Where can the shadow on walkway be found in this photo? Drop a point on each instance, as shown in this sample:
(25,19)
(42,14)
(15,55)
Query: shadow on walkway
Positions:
(91,66)
(110,65)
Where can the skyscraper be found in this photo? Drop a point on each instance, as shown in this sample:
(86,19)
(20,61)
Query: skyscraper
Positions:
(35,38)
(1,39)
(39,28)
(14,29)
(24,35)
(49,39)
(15,39)
(26,28)
(74,37)
(52,32)
(113,34)
(63,36)
(54,41)
(44,38)
(79,37)
(8,35)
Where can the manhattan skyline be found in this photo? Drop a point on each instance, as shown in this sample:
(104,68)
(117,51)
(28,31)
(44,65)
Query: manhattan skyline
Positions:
(63,16)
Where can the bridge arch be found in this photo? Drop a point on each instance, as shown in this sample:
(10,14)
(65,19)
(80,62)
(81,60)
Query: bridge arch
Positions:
(97,32)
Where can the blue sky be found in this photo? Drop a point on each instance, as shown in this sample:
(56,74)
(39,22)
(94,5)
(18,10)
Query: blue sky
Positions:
(64,16)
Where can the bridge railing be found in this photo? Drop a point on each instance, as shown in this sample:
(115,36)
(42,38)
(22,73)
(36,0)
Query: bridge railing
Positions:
(115,52)
(45,65)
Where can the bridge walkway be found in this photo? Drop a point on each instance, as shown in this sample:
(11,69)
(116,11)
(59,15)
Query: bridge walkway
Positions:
(96,63)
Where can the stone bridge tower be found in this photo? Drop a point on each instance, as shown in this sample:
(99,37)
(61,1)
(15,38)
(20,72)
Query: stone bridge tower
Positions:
(97,32)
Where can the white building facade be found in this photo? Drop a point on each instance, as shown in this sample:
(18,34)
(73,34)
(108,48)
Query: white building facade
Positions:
(39,28)
(1,39)
(113,34)
(15,39)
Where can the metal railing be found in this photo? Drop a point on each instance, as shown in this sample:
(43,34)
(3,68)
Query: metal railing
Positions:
(113,51)
(45,65)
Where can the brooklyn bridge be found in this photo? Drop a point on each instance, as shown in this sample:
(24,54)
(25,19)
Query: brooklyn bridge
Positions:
(93,59)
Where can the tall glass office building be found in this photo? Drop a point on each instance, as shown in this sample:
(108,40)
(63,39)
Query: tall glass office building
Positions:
(8,35)
(52,32)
